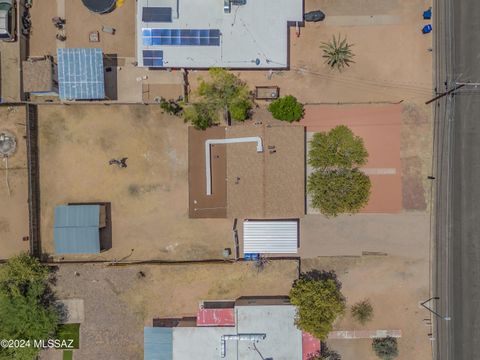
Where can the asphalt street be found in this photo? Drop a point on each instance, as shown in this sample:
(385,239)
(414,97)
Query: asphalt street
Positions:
(457,141)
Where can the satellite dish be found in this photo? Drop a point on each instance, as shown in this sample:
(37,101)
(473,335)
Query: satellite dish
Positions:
(257,61)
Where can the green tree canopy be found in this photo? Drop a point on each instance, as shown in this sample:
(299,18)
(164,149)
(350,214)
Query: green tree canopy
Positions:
(339,147)
(202,115)
(385,348)
(335,192)
(336,185)
(27,311)
(225,91)
(286,108)
(319,302)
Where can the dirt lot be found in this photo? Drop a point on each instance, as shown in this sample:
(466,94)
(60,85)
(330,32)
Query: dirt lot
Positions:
(79,23)
(119,302)
(395,286)
(14,209)
(149,198)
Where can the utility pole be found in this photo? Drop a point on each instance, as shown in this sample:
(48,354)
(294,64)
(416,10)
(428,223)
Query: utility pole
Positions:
(446,318)
(458,86)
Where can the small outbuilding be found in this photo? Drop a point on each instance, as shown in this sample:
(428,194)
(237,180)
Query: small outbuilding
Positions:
(270,237)
(158,343)
(77,229)
(40,76)
(81,74)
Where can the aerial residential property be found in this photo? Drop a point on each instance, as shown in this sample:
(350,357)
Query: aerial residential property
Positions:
(237,179)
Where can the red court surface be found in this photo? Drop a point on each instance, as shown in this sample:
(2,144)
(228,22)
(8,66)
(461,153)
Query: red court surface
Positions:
(310,346)
(216,317)
(379,126)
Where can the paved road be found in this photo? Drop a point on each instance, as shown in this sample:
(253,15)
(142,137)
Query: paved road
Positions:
(457,270)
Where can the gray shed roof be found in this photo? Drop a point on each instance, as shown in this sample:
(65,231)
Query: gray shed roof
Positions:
(77,229)
(158,343)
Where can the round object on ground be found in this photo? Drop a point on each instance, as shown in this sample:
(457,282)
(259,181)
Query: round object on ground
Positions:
(8,143)
(100,6)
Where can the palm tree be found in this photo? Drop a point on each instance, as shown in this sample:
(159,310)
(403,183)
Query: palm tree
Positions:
(337,53)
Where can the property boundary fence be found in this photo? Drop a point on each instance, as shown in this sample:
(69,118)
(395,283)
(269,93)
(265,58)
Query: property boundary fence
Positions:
(33,181)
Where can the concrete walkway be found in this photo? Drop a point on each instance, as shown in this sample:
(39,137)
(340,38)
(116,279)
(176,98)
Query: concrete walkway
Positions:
(404,234)
(364,334)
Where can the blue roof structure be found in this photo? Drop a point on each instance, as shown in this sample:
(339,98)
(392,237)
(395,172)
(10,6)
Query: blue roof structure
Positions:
(157,343)
(77,229)
(80,74)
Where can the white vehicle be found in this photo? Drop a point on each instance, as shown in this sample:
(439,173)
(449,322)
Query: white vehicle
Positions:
(7,20)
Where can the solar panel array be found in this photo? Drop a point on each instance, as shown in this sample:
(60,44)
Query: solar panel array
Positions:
(153,58)
(80,74)
(157,14)
(203,37)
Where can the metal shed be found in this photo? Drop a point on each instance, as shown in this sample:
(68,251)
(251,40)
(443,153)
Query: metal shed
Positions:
(77,229)
(272,237)
(157,343)
(80,74)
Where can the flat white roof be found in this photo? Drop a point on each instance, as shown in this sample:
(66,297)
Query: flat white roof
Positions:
(254,35)
(283,341)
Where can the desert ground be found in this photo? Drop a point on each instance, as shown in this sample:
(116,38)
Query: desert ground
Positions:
(14,204)
(149,198)
(395,285)
(79,23)
(119,302)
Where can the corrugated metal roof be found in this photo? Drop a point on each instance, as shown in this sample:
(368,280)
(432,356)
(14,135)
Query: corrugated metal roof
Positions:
(80,74)
(76,229)
(77,240)
(157,343)
(77,215)
(274,237)
(216,317)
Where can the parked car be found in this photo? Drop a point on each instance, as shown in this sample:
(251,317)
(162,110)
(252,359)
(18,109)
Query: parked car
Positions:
(314,16)
(8,21)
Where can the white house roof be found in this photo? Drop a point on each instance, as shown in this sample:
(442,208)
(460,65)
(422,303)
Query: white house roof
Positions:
(201,34)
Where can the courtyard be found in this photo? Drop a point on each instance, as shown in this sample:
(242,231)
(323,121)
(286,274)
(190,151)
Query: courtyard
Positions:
(149,198)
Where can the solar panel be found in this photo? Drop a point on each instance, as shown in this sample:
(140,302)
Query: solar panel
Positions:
(80,74)
(153,58)
(157,14)
(188,37)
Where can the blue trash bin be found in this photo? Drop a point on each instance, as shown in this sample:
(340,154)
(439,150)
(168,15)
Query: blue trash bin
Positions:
(427,14)
(427,28)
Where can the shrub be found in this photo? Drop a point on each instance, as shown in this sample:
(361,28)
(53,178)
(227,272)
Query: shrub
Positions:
(338,53)
(362,311)
(385,348)
(171,107)
(286,108)
(325,353)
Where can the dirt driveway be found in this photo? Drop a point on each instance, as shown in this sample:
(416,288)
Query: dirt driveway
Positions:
(14,203)
(119,302)
(149,198)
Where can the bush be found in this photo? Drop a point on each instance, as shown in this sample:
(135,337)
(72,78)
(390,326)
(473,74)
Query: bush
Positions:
(201,115)
(239,109)
(385,348)
(171,107)
(286,108)
(319,302)
(325,353)
(362,311)
(339,191)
